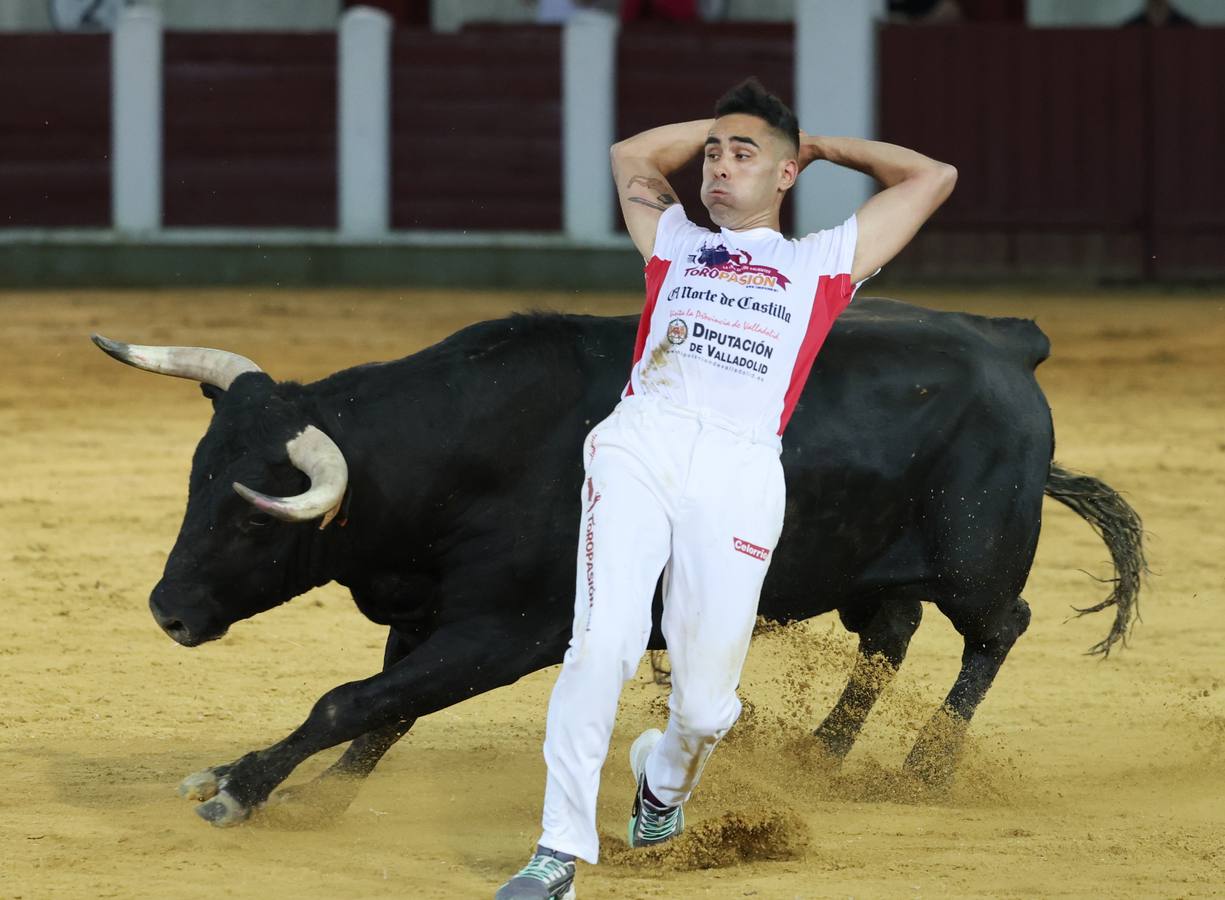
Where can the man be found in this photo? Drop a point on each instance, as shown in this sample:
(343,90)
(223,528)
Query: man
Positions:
(684,476)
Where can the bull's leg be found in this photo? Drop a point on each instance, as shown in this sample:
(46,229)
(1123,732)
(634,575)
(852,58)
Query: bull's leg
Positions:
(325,798)
(885,626)
(364,753)
(453,664)
(988,638)
(330,794)
(327,794)
(361,756)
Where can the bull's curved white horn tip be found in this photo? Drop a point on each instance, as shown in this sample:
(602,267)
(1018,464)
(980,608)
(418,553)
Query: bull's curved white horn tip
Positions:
(256,499)
(117,349)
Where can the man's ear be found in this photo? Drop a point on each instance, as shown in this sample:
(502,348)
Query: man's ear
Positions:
(788,173)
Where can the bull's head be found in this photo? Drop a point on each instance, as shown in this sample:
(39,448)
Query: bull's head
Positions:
(234,557)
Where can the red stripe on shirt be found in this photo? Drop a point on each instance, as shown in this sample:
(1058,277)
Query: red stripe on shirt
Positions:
(656,271)
(832,296)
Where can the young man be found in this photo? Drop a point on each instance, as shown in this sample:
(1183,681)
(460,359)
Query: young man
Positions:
(684,476)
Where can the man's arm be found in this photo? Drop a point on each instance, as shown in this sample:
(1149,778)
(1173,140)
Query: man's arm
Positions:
(640,167)
(915,186)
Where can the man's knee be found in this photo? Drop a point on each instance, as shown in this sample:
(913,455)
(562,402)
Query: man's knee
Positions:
(706,718)
(605,650)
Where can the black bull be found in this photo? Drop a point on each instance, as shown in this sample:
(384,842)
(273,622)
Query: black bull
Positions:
(916,465)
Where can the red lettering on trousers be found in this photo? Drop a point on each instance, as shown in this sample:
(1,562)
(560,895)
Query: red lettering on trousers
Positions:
(593,497)
(748,549)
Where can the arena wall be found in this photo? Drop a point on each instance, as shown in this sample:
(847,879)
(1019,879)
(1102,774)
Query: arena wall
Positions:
(1086,153)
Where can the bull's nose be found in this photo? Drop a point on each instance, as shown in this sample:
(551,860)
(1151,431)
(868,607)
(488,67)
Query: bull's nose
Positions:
(171,625)
(188,633)
(179,632)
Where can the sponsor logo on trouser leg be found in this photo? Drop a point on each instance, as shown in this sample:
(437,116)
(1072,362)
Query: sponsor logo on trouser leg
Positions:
(593,497)
(749,549)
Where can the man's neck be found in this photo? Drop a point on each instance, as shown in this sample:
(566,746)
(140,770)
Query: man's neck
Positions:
(761,220)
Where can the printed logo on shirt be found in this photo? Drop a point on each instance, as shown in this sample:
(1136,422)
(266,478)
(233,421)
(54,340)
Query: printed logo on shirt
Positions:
(677,331)
(745,304)
(749,549)
(737,267)
(733,350)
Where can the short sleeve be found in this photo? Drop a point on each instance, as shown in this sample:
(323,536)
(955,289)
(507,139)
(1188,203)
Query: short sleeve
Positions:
(673,233)
(833,249)
(833,252)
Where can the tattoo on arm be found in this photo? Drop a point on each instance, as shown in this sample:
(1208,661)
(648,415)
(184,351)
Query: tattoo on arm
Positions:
(662,189)
(651,203)
(654,184)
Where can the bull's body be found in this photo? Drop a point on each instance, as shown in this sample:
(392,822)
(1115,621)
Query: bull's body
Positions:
(916,464)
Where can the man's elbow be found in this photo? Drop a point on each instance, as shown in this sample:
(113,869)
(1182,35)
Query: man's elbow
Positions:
(934,181)
(618,153)
(622,150)
(945,177)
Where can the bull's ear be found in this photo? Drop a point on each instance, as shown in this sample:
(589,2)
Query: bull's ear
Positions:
(211,391)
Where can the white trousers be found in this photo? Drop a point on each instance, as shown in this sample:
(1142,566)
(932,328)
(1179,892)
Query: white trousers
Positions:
(671,490)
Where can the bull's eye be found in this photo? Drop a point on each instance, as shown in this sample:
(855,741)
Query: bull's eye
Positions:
(259,520)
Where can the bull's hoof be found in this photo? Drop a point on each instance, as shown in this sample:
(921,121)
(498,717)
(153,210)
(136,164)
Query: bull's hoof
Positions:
(932,770)
(935,754)
(217,806)
(200,785)
(934,767)
(223,811)
(835,744)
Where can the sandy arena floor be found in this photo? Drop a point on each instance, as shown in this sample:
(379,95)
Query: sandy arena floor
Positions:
(1084,778)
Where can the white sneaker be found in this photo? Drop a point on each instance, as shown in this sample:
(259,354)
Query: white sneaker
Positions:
(650,824)
(549,875)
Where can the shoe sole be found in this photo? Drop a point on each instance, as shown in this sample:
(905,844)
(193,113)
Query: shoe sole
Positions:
(568,895)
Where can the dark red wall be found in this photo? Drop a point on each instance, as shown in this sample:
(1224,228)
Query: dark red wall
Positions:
(55,130)
(1044,127)
(1070,143)
(1188,149)
(1097,148)
(250,129)
(476,129)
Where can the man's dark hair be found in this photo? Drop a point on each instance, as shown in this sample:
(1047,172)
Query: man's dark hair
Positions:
(750,98)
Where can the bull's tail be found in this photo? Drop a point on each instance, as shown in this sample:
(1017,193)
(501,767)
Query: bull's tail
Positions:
(1118,525)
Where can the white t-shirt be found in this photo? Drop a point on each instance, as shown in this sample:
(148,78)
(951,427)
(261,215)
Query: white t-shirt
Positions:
(734,319)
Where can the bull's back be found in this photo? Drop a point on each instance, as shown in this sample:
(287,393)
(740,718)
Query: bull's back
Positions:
(905,408)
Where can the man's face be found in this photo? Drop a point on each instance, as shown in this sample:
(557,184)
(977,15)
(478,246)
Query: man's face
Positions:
(748,167)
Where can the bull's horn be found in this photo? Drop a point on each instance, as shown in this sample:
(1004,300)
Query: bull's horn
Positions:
(215,367)
(317,455)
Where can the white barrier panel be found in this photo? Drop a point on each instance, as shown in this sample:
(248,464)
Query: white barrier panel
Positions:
(835,92)
(589,88)
(364,122)
(136,121)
